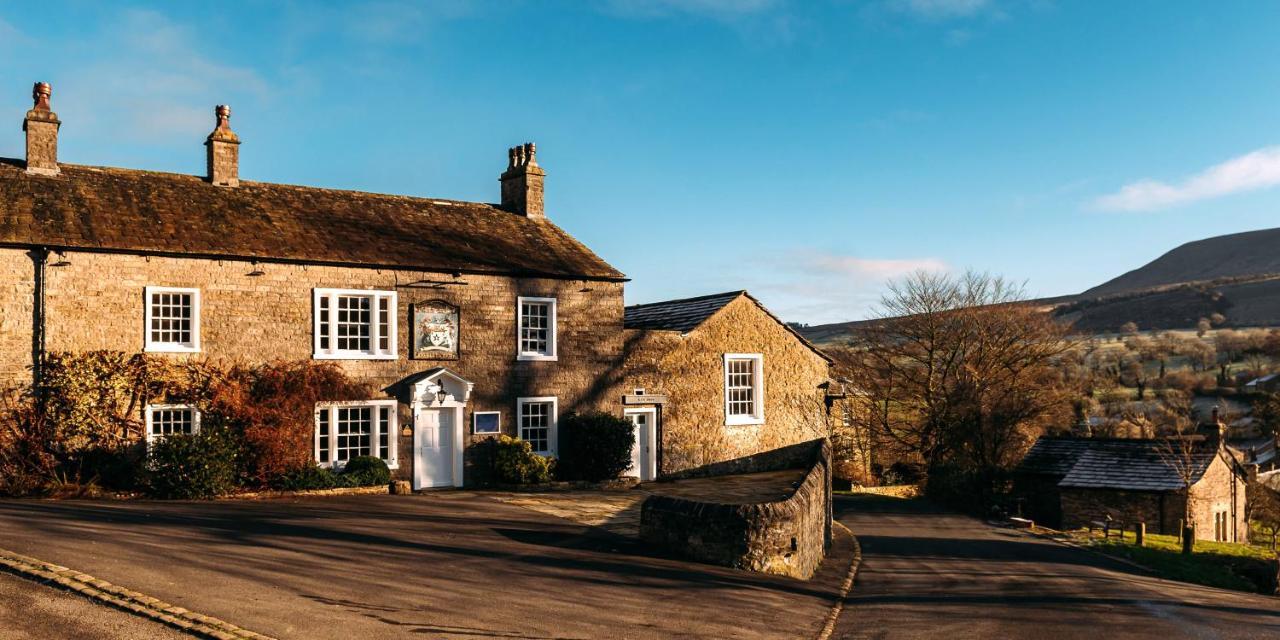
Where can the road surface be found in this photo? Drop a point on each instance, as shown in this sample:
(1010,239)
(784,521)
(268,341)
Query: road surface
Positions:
(927,573)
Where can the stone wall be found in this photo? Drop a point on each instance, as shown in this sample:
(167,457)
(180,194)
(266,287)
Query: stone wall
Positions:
(17,291)
(1160,510)
(787,537)
(689,370)
(1219,490)
(96,302)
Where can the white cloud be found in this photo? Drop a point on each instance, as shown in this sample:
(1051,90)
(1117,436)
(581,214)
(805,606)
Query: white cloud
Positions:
(818,287)
(869,268)
(9,34)
(167,96)
(940,9)
(1256,170)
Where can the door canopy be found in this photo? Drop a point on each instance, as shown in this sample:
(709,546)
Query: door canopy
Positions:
(428,383)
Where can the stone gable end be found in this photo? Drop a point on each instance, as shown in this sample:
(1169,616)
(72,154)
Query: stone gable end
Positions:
(689,370)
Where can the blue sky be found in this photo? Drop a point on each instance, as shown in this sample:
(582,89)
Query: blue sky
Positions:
(805,150)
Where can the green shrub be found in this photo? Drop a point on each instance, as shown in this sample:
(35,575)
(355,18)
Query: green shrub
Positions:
(202,465)
(366,471)
(594,446)
(306,479)
(515,462)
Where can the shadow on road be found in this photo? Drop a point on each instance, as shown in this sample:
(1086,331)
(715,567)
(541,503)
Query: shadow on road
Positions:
(919,557)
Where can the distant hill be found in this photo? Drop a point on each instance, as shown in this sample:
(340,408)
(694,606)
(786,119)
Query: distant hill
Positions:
(1238,255)
(1236,275)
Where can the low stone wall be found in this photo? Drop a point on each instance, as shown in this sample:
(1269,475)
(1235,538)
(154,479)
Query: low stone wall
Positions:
(786,537)
(892,491)
(795,456)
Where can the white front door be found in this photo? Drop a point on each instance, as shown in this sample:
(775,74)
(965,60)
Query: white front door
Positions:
(643,452)
(433,447)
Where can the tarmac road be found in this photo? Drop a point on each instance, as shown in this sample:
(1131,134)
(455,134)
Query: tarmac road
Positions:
(927,573)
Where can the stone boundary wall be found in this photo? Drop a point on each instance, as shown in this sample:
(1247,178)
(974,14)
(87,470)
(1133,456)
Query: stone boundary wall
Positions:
(786,537)
(795,456)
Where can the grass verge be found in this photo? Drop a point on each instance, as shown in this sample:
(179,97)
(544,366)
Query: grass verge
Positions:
(1241,567)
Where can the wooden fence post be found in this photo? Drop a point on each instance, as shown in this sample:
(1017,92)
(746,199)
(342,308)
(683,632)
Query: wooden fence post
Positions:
(1140,534)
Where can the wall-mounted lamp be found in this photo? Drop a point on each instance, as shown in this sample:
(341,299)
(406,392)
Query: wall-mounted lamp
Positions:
(441,394)
(62,260)
(257,271)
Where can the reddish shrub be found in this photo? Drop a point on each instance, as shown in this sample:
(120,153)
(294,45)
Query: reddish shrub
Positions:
(273,407)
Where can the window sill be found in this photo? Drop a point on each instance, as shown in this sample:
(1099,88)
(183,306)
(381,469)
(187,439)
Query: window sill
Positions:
(744,422)
(355,356)
(169,348)
(535,358)
(338,468)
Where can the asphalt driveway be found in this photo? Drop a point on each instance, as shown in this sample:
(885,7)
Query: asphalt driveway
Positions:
(927,573)
(442,565)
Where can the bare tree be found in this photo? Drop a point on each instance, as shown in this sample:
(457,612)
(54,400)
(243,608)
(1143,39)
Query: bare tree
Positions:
(1264,509)
(960,372)
(1202,327)
(1182,451)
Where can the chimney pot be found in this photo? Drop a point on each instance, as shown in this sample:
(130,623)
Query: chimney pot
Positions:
(41,126)
(522,182)
(40,95)
(223,150)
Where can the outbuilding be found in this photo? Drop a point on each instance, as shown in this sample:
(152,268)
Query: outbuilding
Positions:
(718,377)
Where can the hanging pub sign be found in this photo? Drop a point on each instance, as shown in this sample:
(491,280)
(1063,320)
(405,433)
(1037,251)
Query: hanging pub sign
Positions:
(435,330)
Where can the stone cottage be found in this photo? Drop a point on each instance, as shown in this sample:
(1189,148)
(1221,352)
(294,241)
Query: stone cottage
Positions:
(474,319)
(719,377)
(1070,482)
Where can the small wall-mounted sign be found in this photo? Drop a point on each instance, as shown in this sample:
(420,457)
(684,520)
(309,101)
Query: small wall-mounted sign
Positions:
(652,398)
(435,330)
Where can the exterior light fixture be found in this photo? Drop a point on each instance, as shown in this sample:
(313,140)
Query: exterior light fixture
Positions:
(257,271)
(441,394)
(62,260)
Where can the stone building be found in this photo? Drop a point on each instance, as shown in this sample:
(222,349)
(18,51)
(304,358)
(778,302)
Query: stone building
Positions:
(473,319)
(478,318)
(1068,483)
(719,377)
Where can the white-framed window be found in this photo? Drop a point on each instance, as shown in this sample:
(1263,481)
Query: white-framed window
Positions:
(537,419)
(535,328)
(345,430)
(743,388)
(486,422)
(355,324)
(171,320)
(164,420)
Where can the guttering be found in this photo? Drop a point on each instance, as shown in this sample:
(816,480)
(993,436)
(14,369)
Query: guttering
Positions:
(39,258)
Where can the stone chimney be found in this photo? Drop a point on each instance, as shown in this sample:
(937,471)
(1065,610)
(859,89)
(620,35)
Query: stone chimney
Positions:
(522,182)
(42,126)
(223,150)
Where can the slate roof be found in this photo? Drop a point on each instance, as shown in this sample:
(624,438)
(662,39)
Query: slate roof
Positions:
(683,315)
(686,314)
(1053,456)
(123,210)
(1091,463)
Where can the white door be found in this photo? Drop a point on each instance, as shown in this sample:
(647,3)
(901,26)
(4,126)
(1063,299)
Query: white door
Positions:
(643,453)
(433,448)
